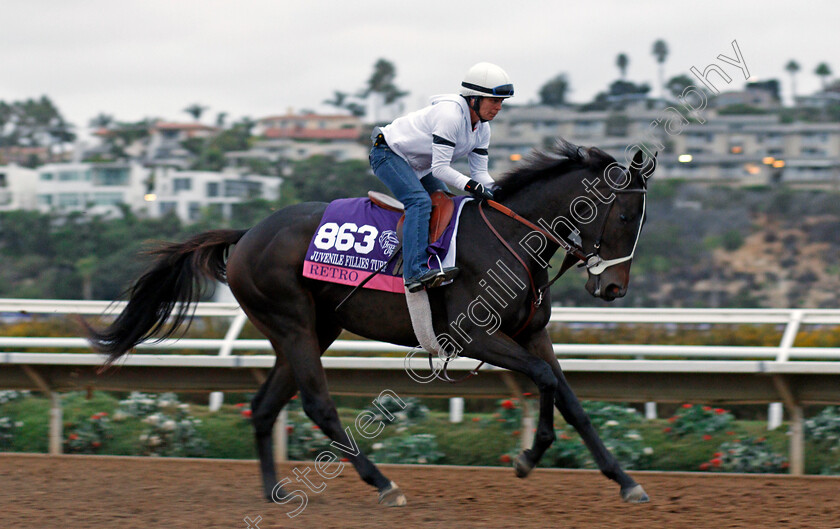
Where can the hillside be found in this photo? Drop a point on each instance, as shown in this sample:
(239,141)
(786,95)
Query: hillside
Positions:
(728,247)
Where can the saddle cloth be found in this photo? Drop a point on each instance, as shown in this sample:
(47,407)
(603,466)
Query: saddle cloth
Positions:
(356,237)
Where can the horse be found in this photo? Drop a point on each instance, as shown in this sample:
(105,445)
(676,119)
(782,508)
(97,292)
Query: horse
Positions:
(566,197)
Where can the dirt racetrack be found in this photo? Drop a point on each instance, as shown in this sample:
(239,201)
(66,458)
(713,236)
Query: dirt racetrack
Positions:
(79,492)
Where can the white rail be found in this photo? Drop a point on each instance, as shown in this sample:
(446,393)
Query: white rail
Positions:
(745,373)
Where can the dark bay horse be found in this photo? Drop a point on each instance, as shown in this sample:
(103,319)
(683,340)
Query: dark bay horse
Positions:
(580,196)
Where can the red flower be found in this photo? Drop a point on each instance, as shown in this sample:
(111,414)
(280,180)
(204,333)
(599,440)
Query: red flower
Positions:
(526,394)
(293,398)
(290,428)
(516,432)
(95,417)
(96,444)
(505,458)
(707,408)
(760,439)
(672,419)
(785,464)
(688,406)
(103,414)
(508,404)
(667,430)
(717,454)
(316,427)
(720,411)
(240,405)
(247,413)
(476,419)
(716,462)
(707,437)
(704,466)
(72,437)
(730,433)
(564,436)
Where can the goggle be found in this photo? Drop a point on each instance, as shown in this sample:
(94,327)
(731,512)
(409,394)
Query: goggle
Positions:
(503,90)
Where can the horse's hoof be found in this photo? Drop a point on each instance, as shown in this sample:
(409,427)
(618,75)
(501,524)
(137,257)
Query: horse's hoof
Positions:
(522,465)
(392,496)
(634,494)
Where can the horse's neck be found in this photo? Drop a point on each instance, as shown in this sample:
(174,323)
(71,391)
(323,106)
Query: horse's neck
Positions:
(542,201)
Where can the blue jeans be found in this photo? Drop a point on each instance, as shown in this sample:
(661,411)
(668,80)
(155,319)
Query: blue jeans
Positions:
(414,194)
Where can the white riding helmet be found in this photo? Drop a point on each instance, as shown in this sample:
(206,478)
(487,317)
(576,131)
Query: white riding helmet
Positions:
(486,80)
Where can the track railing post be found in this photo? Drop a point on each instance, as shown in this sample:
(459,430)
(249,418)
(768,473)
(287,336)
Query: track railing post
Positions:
(236,325)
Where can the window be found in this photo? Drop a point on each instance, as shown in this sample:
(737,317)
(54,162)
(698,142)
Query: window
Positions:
(69,176)
(212,189)
(46,176)
(69,200)
(242,189)
(45,200)
(167,207)
(181,184)
(107,199)
(110,176)
(194,210)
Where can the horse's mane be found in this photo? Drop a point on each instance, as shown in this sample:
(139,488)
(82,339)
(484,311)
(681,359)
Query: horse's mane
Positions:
(561,158)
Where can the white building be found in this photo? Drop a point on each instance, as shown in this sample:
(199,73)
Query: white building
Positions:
(97,188)
(187,193)
(18,188)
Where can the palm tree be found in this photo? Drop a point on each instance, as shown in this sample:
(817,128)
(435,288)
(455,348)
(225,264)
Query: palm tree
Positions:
(792,67)
(622,61)
(660,51)
(101,121)
(824,72)
(195,110)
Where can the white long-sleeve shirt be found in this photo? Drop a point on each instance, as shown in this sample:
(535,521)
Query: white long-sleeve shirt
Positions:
(431,138)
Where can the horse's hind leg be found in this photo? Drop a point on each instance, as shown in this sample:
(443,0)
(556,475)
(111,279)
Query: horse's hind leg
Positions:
(301,347)
(569,406)
(274,393)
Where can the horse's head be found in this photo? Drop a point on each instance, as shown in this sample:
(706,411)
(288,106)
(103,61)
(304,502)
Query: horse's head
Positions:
(597,207)
(609,240)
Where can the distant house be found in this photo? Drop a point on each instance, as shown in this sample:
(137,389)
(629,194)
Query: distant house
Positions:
(329,127)
(99,188)
(188,193)
(18,187)
(165,142)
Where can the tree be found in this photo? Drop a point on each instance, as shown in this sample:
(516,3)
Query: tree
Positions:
(195,110)
(381,81)
(792,67)
(677,84)
(660,51)
(622,61)
(322,179)
(221,117)
(553,93)
(101,121)
(823,71)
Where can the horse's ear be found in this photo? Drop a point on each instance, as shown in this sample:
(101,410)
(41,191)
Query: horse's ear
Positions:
(643,167)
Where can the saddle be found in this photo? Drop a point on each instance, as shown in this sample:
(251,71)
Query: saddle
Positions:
(442,210)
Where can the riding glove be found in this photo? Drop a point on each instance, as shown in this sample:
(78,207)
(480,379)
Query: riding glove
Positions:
(478,191)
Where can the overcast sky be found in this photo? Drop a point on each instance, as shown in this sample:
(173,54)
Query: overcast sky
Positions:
(136,59)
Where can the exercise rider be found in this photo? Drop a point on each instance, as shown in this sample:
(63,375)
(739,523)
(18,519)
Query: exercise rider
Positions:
(413,157)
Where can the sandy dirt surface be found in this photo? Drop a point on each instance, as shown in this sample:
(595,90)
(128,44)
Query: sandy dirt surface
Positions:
(80,492)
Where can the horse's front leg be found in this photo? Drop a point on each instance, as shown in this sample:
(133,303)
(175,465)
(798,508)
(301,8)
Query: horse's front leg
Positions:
(569,406)
(501,351)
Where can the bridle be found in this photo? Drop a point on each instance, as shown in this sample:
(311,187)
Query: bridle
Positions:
(593,262)
(572,245)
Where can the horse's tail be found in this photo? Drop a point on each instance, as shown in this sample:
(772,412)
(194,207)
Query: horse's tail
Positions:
(173,283)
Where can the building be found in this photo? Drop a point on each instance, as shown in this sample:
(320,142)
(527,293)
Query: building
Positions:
(96,188)
(165,143)
(189,193)
(310,127)
(741,149)
(18,188)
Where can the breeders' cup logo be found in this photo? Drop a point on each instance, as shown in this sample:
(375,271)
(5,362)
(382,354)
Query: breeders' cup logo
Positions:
(388,241)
